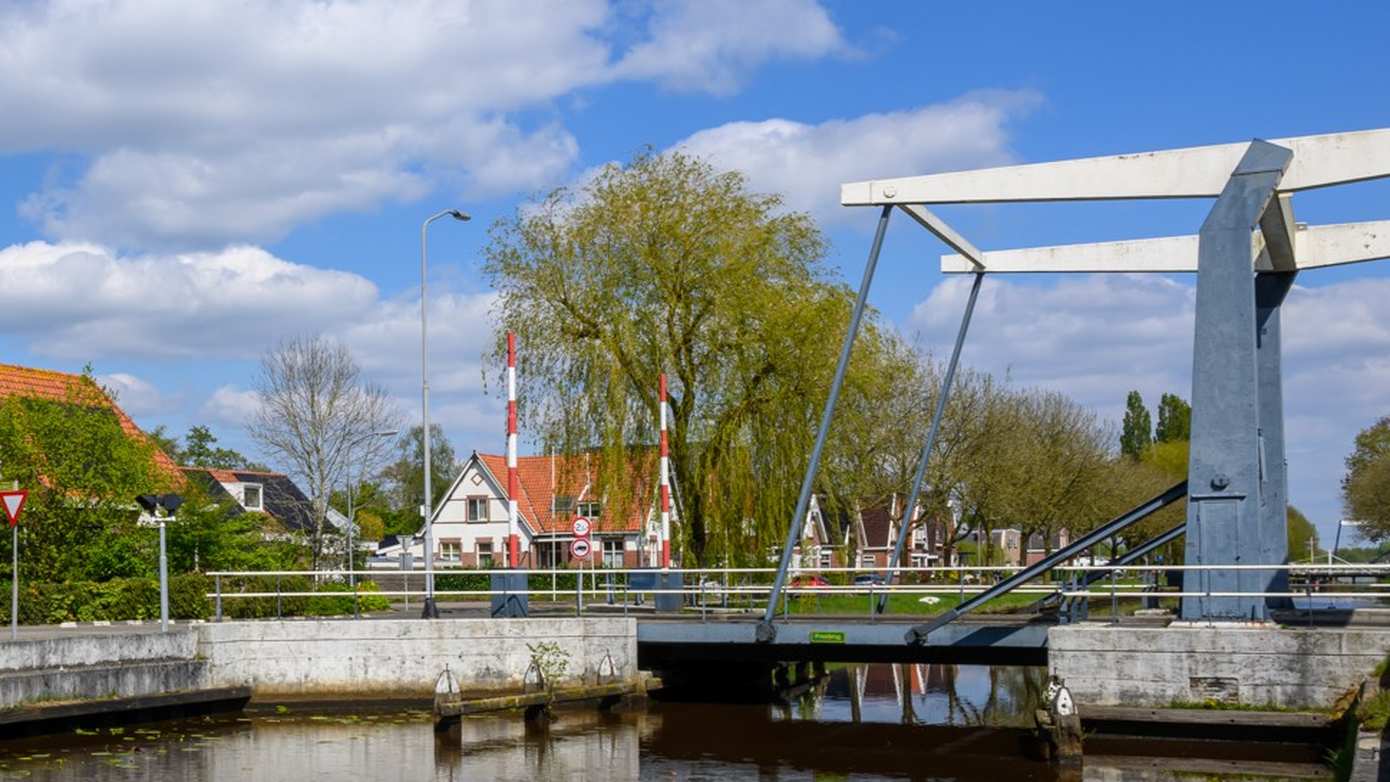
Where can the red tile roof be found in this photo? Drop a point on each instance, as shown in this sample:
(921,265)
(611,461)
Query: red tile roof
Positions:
(76,389)
(542,478)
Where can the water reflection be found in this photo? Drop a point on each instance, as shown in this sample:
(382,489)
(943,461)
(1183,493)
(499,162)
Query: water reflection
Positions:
(862,722)
(927,694)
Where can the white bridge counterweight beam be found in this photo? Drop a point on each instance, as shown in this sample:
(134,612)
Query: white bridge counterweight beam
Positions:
(1315,246)
(1193,172)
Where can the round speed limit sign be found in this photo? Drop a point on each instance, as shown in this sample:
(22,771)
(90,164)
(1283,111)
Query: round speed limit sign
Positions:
(580,527)
(580,548)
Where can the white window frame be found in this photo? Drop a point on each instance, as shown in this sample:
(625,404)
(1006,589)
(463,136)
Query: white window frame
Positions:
(827,558)
(488,553)
(609,558)
(452,556)
(260,496)
(486,506)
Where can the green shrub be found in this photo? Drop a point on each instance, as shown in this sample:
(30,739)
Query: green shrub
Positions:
(337,606)
(118,599)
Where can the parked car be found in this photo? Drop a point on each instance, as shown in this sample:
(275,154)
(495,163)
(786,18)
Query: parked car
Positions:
(869,579)
(801,582)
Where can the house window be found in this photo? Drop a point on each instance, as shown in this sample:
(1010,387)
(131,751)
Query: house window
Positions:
(589,509)
(613,552)
(485,554)
(866,560)
(549,553)
(251,496)
(563,504)
(825,559)
(449,550)
(919,560)
(477,508)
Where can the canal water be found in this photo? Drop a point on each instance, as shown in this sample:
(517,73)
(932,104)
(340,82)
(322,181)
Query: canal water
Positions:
(869,722)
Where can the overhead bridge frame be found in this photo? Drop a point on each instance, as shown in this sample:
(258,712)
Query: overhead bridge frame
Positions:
(1246,256)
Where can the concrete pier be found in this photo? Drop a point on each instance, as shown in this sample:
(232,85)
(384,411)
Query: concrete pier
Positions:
(1236,663)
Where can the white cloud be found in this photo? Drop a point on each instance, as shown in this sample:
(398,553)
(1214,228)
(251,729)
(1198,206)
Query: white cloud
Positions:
(710,45)
(135,395)
(1095,337)
(231,406)
(807,163)
(386,341)
(83,301)
(209,123)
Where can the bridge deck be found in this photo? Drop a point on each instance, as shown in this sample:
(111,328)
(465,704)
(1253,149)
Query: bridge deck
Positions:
(996,640)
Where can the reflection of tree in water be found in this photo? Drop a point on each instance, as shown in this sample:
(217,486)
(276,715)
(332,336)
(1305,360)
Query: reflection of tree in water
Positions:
(1012,695)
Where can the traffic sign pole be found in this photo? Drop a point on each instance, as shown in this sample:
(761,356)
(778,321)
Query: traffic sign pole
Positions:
(14,583)
(13,502)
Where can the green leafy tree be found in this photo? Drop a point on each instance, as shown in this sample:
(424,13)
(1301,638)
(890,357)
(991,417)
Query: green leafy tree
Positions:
(667,265)
(1366,486)
(83,472)
(1174,419)
(1137,430)
(200,450)
(398,501)
(1302,533)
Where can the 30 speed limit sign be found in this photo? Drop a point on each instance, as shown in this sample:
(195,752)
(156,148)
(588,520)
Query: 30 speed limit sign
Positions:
(580,548)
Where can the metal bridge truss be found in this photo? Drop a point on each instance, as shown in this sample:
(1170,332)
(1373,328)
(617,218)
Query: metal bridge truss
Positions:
(1246,256)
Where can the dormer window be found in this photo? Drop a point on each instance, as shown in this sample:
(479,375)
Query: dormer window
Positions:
(251,496)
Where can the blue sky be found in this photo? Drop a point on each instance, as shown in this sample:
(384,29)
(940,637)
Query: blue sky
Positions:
(186,183)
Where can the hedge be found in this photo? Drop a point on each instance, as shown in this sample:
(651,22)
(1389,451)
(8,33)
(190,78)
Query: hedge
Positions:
(138,598)
(114,600)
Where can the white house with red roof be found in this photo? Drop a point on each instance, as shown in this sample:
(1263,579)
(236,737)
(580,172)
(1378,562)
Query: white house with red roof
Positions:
(470,522)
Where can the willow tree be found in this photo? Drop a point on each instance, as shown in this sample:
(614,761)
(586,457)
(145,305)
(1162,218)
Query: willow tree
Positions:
(668,265)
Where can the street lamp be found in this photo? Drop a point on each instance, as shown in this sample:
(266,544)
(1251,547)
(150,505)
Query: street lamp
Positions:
(153,504)
(352,516)
(431,611)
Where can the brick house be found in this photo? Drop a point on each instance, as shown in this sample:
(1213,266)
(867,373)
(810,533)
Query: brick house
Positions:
(876,532)
(470,522)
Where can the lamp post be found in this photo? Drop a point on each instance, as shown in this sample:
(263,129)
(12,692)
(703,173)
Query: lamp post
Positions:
(162,507)
(431,611)
(352,517)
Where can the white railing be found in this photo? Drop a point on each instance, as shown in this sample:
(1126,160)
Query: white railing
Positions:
(748,588)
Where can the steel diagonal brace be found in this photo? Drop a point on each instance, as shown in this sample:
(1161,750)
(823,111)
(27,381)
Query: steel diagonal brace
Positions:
(927,447)
(766,631)
(1118,563)
(918,635)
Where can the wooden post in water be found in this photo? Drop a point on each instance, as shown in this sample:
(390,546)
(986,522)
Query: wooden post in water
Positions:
(1059,726)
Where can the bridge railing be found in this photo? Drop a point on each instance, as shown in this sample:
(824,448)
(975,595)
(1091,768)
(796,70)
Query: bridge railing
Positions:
(918,591)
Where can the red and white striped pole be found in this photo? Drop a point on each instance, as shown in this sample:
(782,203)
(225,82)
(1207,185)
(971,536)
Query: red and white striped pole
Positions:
(513,487)
(665,481)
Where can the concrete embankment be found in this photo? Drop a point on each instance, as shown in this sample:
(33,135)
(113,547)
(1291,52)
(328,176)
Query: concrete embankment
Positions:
(82,667)
(1249,665)
(311,659)
(394,658)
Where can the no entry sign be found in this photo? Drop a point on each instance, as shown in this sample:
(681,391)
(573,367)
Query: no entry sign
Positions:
(580,548)
(14,504)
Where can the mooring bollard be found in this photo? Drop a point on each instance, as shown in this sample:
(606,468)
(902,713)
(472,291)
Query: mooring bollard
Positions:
(217,580)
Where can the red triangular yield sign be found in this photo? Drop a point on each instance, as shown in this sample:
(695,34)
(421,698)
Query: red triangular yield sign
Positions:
(14,504)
